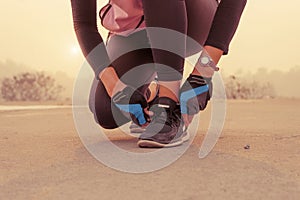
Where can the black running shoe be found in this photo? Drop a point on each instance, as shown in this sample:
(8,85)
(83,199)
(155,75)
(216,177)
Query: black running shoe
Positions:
(166,127)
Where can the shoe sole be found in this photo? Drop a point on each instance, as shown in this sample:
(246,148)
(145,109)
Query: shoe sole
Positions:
(186,137)
(153,144)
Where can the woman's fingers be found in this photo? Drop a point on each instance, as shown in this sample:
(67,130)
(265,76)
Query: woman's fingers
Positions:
(148,112)
(145,125)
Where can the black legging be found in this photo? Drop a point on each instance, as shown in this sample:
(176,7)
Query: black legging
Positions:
(106,114)
(169,14)
(202,20)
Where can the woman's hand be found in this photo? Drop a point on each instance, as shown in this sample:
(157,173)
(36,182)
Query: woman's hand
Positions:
(194,96)
(127,99)
(131,101)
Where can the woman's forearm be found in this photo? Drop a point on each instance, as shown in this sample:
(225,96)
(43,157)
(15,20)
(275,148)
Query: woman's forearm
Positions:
(225,23)
(90,41)
(111,81)
(214,53)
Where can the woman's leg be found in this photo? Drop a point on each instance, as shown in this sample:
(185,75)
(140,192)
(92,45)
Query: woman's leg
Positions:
(167,14)
(200,15)
(134,68)
(168,17)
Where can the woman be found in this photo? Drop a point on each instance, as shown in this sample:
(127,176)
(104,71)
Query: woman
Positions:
(208,22)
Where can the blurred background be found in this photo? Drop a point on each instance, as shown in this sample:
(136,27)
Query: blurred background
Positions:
(40,56)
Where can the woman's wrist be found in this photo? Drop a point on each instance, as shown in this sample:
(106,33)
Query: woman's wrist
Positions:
(111,81)
(215,54)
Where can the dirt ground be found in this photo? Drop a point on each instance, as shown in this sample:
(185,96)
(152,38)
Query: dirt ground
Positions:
(42,157)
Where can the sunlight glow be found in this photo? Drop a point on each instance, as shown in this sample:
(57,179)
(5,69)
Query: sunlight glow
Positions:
(75,50)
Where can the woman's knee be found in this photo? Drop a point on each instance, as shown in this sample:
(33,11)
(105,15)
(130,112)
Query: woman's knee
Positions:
(107,115)
(109,120)
(104,123)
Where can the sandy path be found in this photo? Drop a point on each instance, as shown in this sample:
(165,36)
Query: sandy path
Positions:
(42,157)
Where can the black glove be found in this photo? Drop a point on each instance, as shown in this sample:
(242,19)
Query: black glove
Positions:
(133,102)
(194,94)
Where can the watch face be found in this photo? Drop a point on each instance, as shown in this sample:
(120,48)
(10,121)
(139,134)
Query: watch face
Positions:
(204,60)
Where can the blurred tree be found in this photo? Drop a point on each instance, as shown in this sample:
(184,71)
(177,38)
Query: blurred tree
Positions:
(36,86)
(239,89)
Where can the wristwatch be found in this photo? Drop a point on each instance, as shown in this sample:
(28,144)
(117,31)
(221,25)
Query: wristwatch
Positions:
(206,61)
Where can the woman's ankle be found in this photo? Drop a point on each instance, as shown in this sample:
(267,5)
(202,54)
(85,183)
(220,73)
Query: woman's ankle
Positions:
(169,89)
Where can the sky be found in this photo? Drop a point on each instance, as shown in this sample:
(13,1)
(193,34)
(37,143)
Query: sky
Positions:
(40,34)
